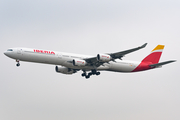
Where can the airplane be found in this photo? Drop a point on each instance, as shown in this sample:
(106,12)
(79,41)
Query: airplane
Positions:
(68,63)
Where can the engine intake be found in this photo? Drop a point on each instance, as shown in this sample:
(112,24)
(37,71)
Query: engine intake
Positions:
(103,57)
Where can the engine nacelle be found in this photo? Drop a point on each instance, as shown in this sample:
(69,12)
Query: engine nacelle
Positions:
(78,62)
(64,70)
(103,57)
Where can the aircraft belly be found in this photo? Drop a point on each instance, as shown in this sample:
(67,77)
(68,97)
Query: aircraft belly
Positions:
(123,66)
(70,65)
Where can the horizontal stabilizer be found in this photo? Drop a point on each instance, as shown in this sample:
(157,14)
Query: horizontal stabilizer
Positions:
(161,63)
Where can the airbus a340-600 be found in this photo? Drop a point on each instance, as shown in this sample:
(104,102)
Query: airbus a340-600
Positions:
(68,63)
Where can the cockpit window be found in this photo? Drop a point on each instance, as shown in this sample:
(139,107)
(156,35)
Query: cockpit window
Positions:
(10,50)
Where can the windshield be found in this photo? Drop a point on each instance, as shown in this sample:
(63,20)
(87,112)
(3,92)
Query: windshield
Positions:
(10,50)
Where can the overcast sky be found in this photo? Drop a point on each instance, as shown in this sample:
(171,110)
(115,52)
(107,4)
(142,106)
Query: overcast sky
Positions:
(36,92)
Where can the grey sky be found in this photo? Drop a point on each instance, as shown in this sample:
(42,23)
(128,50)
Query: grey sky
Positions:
(36,91)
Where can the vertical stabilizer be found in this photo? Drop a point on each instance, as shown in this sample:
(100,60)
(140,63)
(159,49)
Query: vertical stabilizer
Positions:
(155,55)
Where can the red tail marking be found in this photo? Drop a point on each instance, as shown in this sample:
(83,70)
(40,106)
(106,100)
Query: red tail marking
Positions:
(153,57)
(142,66)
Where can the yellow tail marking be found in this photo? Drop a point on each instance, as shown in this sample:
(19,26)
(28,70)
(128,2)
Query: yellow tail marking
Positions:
(159,47)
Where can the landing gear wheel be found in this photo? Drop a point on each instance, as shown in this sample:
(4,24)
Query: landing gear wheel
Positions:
(87,76)
(98,73)
(83,74)
(17,64)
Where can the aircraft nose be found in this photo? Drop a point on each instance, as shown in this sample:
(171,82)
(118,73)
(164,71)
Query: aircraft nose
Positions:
(5,53)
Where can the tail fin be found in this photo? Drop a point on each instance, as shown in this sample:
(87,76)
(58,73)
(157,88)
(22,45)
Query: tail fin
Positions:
(155,55)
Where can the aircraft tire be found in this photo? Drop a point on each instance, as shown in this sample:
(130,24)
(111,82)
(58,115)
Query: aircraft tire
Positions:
(87,76)
(98,73)
(17,64)
(83,74)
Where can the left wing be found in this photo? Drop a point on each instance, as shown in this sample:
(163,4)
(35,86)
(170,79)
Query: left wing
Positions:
(93,60)
(121,54)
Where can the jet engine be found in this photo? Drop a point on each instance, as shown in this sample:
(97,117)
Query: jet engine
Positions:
(103,57)
(64,70)
(78,62)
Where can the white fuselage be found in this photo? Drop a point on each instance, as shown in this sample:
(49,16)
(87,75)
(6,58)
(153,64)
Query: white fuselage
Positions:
(65,59)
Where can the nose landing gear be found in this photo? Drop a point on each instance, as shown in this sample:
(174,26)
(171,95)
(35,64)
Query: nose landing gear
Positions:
(18,64)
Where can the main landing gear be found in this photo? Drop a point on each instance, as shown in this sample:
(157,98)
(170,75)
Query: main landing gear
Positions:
(18,64)
(93,72)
